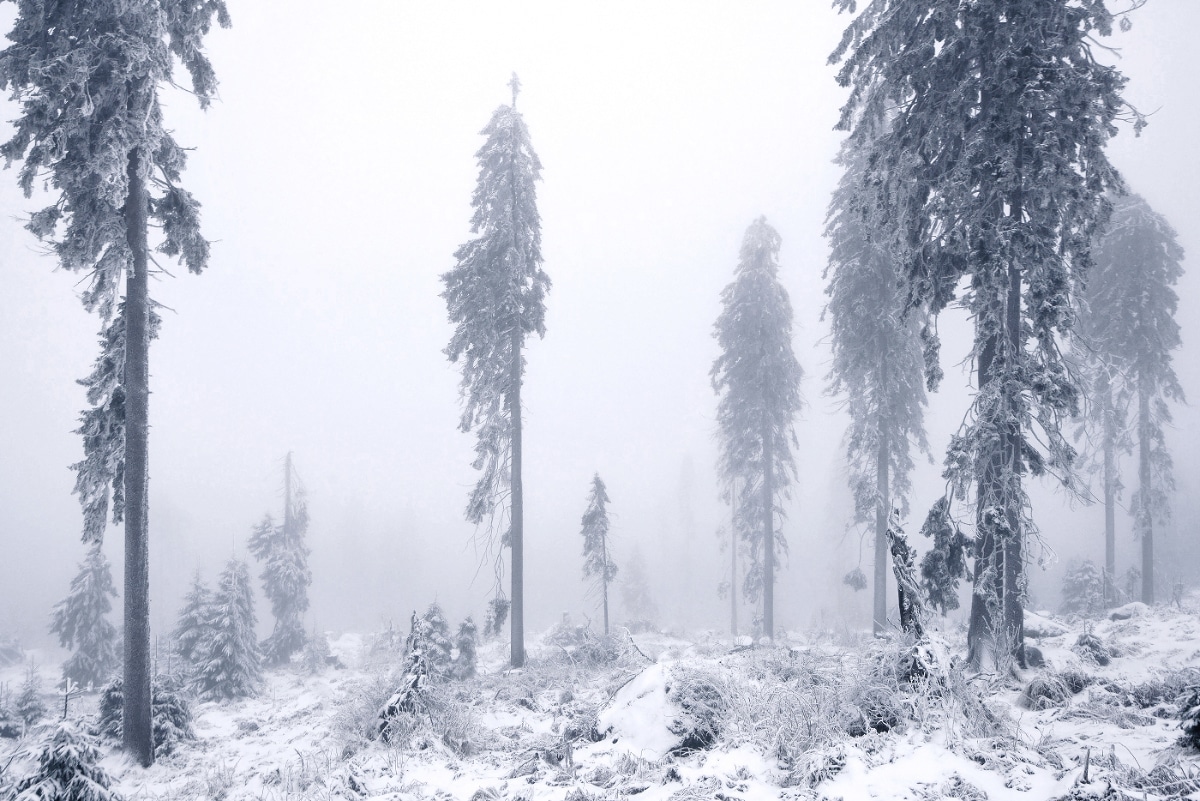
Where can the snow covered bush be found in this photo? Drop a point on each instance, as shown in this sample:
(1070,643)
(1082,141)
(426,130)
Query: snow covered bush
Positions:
(67,770)
(703,709)
(1083,589)
(170,713)
(1189,718)
(1091,648)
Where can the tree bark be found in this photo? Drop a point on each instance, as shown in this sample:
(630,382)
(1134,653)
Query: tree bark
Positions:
(733,544)
(136,714)
(1110,501)
(768,522)
(881,528)
(1145,512)
(516,515)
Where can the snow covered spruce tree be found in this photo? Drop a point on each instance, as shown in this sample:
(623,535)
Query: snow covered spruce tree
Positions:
(496,298)
(285,574)
(877,368)
(757,378)
(194,624)
(989,167)
(81,623)
(598,563)
(1126,333)
(227,660)
(86,76)
(68,769)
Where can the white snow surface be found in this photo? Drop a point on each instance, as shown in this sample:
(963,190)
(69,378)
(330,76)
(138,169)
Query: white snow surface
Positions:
(566,729)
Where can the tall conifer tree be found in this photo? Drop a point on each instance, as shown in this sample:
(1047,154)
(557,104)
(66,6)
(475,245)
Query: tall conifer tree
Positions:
(86,76)
(598,563)
(982,126)
(877,369)
(1127,331)
(495,295)
(757,378)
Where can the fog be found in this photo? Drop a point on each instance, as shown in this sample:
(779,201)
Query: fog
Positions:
(336,172)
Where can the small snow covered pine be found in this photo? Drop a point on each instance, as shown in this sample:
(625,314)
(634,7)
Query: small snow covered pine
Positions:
(227,659)
(193,626)
(67,770)
(170,713)
(430,636)
(1083,589)
(81,624)
(29,705)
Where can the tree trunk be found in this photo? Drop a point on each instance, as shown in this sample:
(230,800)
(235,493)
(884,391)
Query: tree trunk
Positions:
(768,522)
(881,528)
(136,723)
(516,515)
(998,562)
(1110,502)
(1145,512)
(733,545)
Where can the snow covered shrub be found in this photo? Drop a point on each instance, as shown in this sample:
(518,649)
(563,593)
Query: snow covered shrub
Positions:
(1189,718)
(1044,692)
(67,770)
(1091,648)
(703,709)
(582,646)
(1083,589)
(877,709)
(170,713)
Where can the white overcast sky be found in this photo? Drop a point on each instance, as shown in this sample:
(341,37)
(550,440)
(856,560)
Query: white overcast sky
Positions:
(336,172)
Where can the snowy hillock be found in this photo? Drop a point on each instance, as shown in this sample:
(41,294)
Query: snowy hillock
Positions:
(657,717)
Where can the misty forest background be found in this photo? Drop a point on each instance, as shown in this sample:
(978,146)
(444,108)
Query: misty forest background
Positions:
(335,173)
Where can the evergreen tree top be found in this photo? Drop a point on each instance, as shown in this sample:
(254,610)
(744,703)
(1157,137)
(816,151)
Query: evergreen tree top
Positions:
(86,76)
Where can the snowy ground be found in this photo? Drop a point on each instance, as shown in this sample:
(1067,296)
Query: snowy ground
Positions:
(662,718)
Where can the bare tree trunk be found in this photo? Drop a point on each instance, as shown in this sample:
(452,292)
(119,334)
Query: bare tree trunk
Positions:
(882,511)
(516,516)
(768,501)
(1110,503)
(733,545)
(1145,513)
(136,725)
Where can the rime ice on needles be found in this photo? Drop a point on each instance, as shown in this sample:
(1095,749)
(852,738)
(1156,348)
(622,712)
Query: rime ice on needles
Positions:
(81,623)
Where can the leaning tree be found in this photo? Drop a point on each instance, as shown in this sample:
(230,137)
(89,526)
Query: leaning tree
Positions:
(496,298)
(982,126)
(1126,333)
(757,378)
(91,129)
(876,369)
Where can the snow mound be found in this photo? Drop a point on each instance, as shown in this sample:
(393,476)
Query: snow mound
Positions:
(1135,609)
(1040,626)
(638,717)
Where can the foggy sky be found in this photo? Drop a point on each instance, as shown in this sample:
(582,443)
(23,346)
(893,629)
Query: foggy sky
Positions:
(335,174)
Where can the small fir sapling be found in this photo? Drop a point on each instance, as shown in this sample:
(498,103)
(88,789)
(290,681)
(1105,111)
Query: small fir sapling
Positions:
(316,653)
(68,769)
(81,624)
(227,660)
(465,641)
(29,705)
(1189,718)
(431,636)
(1083,589)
